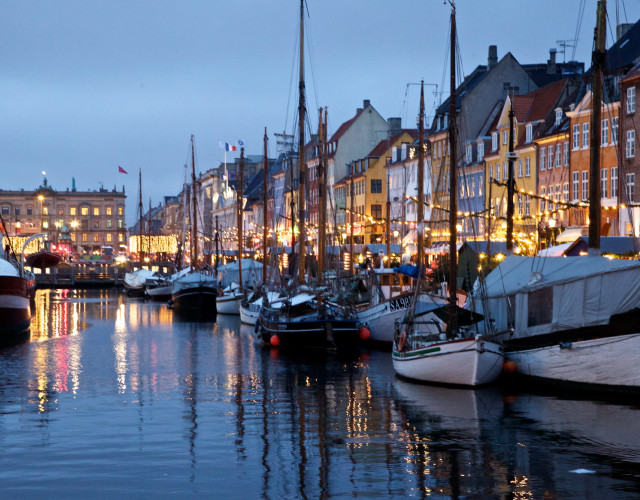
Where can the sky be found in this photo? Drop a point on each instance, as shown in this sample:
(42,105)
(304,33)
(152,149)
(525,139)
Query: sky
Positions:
(86,87)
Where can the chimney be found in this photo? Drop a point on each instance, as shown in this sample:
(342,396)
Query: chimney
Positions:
(551,63)
(366,103)
(395,125)
(493,56)
(621,30)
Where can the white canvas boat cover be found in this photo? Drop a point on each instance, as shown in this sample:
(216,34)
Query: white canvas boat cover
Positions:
(137,279)
(195,278)
(536,295)
(7,269)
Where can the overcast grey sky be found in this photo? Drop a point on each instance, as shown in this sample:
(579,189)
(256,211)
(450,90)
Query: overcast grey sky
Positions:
(86,86)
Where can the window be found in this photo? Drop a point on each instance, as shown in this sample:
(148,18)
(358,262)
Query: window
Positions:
(84,211)
(519,167)
(480,181)
(505,137)
(558,153)
(631,100)
(566,154)
(543,202)
(494,141)
(17,210)
(630,187)
(558,116)
(120,238)
(120,210)
(376,211)
(527,167)
(108,237)
(576,185)
(45,210)
(614,182)
(376,185)
(461,182)
(72,211)
(549,157)
(490,172)
(520,208)
(576,136)
(604,139)
(557,196)
(630,148)
(543,156)
(96,237)
(85,237)
(469,154)
(29,210)
(585,185)
(480,151)
(96,223)
(109,223)
(505,170)
(473,188)
(120,224)
(5,210)
(614,130)
(529,131)
(527,206)
(109,211)
(565,191)
(585,135)
(498,171)
(604,191)
(61,211)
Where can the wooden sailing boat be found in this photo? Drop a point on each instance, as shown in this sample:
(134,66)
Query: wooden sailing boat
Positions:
(194,292)
(422,350)
(575,320)
(306,319)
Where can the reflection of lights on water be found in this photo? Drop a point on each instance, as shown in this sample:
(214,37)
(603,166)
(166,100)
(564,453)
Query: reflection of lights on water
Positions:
(121,323)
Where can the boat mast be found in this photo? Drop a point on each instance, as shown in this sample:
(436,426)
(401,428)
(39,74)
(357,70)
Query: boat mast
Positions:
(301,166)
(264,210)
(420,214)
(140,215)
(510,181)
(598,60)
(322,195)
(194,204)
(239,203)
(388,215)
(453,187)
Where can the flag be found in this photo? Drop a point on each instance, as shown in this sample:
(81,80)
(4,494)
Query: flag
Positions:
(226,146)
(122,170)
(240,142)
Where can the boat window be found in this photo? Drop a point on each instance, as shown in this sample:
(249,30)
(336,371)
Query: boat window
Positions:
(540,304)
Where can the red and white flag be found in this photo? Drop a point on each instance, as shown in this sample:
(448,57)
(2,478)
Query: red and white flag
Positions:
(122,170)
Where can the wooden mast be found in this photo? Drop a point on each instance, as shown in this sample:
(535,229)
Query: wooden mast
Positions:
(194,204)
(239,203)
(264,210)
(453,185)
(420,207)
(511,181)
(599,55)
(302,239)
(140,215)
(322,198)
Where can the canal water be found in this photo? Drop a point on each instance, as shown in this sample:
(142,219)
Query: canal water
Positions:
(112,397)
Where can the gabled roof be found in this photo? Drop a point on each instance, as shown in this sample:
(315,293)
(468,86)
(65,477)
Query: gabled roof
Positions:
(385,144)
(536,105)
(345,126)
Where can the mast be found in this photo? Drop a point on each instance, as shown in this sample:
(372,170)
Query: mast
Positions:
(420,215)
(453,187)
(239,203)
(599,54)
(351,217)
(140,215)
(149,230)
(264,210)
(510,182)
(194,205)
(388,218)
(217,258)
(302,239)
(322,198)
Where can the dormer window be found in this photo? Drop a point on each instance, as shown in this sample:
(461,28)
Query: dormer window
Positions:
(505,137)
(480,151)
(558,116)
(445,125)
(494,141)
(469,154)
(529,132)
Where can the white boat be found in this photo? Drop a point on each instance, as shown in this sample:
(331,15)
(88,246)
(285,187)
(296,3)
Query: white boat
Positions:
(250,309)
(228,302)
(574,319)
(134,282)
(158,287)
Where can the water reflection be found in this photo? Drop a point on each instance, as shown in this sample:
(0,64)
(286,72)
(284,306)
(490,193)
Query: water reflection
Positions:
(140,404)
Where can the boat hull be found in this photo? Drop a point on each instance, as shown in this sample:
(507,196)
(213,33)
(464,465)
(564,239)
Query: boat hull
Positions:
(249,315)
(229,304)
(380,320)
(330,333)
(198,302)
(464,362)
(159,292)
(15,306)
(605,362)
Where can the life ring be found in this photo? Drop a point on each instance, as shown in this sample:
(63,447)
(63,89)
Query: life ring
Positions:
(402,340)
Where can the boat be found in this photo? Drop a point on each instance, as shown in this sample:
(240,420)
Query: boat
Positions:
(43,259)
(250,307)
(422,351)
(134,282)
(228,302)
(573,321)
(15,307)
(306,319)
(194,292)
(158,287)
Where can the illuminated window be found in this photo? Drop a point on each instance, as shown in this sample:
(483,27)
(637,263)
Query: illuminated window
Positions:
(96,211)
(84,211)
(108,237)
(45,210)
(96,237)
(72,211)
(85,237)
(120,237)
(45,224)
(61,211)
(120,211)
(109,210)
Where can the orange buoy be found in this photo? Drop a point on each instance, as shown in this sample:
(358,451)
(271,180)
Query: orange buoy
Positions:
(274,340)
(365,334)
(509,367)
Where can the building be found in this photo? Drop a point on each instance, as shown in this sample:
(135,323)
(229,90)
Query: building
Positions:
(90,219)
